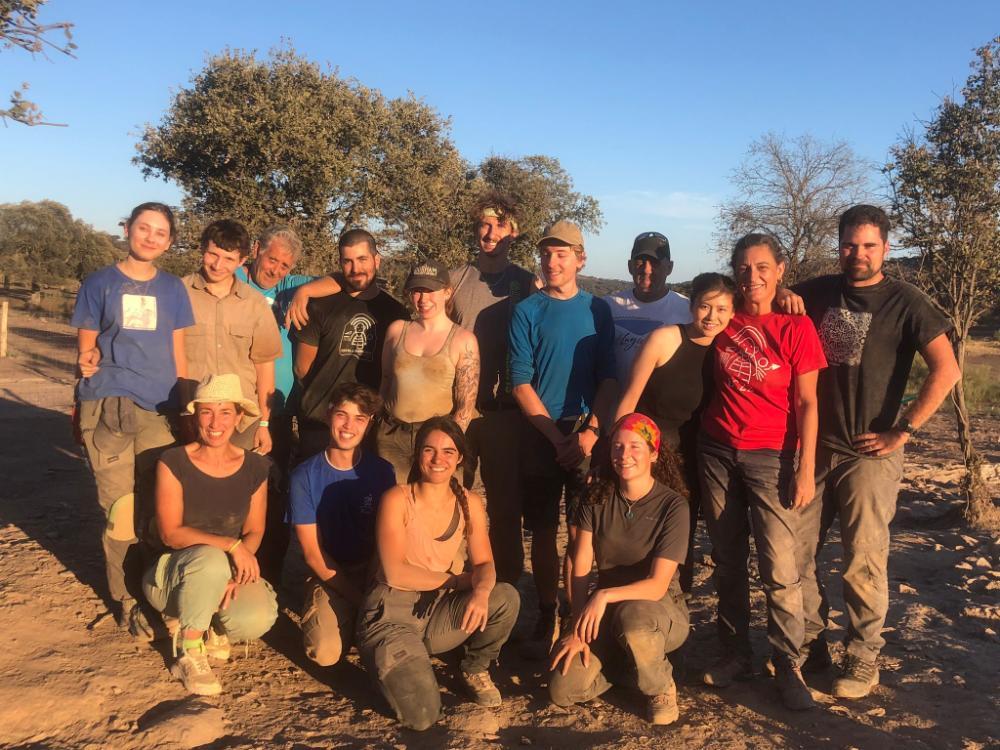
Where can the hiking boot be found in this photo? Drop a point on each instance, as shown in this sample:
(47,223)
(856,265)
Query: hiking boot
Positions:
(482,689)
(193,670)
(537,647)
(216,645)
(122,611)
(818,659)
(663,707)
(857,679)
(727,669)
(794,693)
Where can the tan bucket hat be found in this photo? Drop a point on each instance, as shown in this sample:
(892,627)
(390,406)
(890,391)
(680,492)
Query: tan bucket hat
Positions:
(219,389)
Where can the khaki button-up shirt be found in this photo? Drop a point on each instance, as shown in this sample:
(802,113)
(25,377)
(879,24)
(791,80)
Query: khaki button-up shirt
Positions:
(232,334)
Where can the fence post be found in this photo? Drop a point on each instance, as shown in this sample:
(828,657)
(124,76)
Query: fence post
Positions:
(3,327)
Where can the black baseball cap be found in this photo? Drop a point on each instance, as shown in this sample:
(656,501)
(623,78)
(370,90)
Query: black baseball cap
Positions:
(651,245)
(428,274)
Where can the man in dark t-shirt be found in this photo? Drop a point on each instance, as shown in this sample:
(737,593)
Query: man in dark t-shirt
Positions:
(358,336)
(870,326)
(485,292)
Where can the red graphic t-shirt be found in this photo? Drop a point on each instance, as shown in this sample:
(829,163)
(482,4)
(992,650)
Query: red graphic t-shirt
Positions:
(757,359)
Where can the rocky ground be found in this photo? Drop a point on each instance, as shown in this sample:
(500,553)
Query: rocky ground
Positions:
(71,680)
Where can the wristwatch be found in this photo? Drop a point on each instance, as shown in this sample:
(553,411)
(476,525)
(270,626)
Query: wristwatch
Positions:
(904,425)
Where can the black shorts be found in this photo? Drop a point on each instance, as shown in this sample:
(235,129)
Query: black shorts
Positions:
(545,482)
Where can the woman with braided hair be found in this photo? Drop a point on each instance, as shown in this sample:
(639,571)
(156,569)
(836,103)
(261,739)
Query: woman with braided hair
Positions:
(635,524)
(422,602)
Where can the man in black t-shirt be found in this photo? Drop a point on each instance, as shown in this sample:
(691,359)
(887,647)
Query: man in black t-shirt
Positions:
(871,326)
(341,336)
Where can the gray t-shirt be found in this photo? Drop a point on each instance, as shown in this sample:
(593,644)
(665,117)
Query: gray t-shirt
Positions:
(483,304)
(627,536)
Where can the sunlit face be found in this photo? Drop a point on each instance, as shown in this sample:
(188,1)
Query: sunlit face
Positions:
(649,275)
(359,266)
(348,425)
(862,254)
(711,313)
(560,263)
(491,231)
(218,264)
(631,456)
(272,264)
(216,422)
(439,458)
(429,303)
(148,236)
(758,275)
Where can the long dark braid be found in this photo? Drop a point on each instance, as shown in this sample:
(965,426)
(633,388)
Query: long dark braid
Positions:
(463,503)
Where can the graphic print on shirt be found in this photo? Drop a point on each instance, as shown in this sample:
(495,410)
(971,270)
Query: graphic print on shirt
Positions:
(138,312)
(843,334)
(358,339)
(745,359)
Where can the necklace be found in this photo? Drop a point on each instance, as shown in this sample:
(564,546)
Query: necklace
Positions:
(629,504)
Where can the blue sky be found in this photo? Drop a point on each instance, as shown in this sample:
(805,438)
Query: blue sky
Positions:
(649,106)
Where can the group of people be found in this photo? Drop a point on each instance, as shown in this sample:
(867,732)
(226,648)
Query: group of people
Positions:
(224,411)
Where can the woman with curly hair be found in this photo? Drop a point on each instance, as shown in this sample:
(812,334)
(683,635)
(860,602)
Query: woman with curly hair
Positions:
(422,602)
(635,523)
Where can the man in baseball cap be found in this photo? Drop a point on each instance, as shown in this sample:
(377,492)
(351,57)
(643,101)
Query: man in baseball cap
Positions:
(649,304)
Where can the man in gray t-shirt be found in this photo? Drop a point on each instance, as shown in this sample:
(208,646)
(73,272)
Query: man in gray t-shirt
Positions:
(485,292)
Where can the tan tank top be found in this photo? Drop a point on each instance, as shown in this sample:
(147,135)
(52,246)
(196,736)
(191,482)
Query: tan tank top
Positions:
(439,555)
(421,387)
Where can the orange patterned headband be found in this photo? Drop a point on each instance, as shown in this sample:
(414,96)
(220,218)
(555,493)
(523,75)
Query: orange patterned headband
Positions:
(642,426)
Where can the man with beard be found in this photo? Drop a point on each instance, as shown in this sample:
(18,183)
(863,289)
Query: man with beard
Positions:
(870,325)
(341,334)
(485,292)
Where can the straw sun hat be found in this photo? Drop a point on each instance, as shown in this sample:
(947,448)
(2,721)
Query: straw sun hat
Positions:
(220,389)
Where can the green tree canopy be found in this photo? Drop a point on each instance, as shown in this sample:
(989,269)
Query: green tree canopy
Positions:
(281,139)
(42,243)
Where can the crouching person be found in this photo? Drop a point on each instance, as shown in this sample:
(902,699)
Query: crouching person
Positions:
(333,500)
(211,502)
(422,603)
(636,523)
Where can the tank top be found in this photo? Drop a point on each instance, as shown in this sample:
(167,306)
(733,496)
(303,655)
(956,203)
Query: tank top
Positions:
(437,554)
(421,387)
(674,391)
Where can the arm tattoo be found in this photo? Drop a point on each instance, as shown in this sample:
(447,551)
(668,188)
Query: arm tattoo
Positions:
(466,386)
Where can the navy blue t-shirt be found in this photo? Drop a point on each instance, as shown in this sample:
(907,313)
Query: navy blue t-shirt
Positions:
(341,502)
(135,321)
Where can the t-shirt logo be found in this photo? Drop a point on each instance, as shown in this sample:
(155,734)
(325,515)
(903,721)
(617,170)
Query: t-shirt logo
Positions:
(367,505)
(745,359)
(138,312)
(843,334)
(358,339)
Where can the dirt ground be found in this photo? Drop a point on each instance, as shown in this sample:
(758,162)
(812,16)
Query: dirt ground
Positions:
(71,680)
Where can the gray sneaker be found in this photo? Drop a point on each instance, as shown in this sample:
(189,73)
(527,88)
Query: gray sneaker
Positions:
(217,645)
(482,689)
(857,679)
(727,669)
(794,692)
(193,670)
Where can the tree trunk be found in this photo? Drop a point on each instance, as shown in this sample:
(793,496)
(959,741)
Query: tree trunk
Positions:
(979,510)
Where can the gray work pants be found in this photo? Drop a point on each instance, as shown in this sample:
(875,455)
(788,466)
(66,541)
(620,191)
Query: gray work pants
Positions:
(736,484)
(631,649)
(861,491)
(399,630)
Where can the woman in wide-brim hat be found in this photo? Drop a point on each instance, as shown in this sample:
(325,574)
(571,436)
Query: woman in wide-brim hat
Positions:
(211,499)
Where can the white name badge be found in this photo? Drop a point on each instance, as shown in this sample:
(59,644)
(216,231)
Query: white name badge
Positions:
(138,312)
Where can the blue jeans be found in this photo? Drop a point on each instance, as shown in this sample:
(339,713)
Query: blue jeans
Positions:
(744,490)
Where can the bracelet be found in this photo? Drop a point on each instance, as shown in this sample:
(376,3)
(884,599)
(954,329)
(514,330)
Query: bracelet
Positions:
(263,423)
(235,544)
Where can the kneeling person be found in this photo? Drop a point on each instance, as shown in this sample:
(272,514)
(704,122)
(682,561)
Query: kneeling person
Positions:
(422,603)
(637,525)
(332,508)
(211,500)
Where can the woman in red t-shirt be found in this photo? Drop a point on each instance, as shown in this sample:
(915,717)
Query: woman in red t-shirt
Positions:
(763,409)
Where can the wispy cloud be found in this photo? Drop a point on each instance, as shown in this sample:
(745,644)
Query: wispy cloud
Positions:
(676,205)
